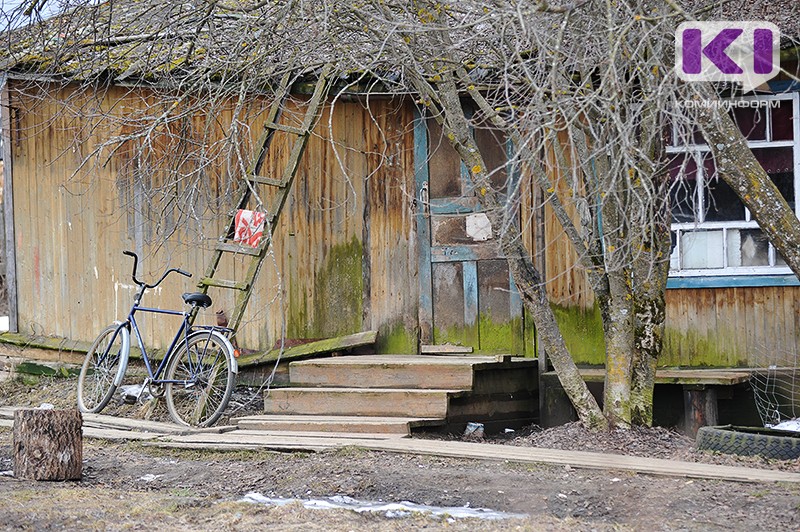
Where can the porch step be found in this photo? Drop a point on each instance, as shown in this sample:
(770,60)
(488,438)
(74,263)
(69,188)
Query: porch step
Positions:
(359,402)
(387,371)
(398,426)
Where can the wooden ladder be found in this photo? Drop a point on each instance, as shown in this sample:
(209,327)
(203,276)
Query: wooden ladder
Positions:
(283,184)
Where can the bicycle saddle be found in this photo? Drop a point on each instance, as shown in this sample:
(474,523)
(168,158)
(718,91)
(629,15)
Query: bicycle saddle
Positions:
(197,299)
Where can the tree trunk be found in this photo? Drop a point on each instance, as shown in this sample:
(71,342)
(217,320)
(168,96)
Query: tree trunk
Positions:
(618,330)
(739,168)
(48,444)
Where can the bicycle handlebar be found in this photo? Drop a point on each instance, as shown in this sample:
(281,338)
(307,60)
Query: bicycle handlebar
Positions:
(145,285)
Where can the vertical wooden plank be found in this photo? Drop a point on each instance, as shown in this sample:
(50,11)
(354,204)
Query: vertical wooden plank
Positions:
(725,328)
(772,329)
(8,205)
(470,280)
(790,297)
(423,228)
(751,323)
(707,328)
(516,311)
(738,323)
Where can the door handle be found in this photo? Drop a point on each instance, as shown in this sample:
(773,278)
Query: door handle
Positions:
(424,200)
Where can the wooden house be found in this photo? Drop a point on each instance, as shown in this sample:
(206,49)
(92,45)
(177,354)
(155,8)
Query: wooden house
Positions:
(381,231)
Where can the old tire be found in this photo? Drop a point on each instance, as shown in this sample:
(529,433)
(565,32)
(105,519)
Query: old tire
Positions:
(750,441)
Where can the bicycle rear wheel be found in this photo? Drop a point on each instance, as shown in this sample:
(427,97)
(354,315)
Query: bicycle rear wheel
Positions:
(205,369)
(103,368)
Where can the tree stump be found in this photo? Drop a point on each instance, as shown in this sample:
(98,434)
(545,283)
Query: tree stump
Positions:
(48,444)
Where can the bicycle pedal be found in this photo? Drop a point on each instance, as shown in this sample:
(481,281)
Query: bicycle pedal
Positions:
(129,399)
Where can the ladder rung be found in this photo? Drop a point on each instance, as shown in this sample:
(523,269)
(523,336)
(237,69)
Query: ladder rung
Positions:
(286,129)
(207,281)
(238,248)
(266,180)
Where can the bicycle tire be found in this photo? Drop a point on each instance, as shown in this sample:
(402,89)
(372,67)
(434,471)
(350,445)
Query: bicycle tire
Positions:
(206,364)
(103,368)
(749,441)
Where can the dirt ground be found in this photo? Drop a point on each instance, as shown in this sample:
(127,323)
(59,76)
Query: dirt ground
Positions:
(133,487)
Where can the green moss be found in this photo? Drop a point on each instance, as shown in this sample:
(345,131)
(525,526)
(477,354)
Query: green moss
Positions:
(337,299)
(583,333)
(505,337)
(396,339)
(706,348)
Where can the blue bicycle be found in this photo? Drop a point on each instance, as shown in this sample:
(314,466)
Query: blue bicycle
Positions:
(197,372)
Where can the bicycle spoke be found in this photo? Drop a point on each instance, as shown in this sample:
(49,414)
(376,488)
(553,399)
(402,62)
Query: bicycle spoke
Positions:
(96,381)
(205,381)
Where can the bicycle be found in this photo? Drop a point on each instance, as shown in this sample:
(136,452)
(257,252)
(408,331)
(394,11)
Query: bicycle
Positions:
(196,375)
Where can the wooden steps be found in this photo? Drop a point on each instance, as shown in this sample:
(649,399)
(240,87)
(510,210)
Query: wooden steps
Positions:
(395,394)
(346,424)
(385,371)
(359,401)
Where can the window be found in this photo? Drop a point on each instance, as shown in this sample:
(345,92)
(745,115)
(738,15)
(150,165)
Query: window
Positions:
(713,232)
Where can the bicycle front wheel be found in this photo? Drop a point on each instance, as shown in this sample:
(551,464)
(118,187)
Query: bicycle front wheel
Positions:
(203,374)
(103,368)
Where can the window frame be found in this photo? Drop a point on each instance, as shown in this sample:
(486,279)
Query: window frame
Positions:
(701,151)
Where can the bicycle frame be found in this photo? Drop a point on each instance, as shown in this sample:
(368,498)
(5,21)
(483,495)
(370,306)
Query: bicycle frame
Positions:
(184,331)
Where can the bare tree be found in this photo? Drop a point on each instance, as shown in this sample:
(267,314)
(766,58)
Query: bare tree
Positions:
(585,90)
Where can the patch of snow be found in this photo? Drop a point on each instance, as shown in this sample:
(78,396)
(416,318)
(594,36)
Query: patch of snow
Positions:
(789,425)
(148,477)
(389,510)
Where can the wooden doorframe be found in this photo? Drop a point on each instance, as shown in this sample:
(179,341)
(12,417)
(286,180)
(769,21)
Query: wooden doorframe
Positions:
(424,267)
(427,255)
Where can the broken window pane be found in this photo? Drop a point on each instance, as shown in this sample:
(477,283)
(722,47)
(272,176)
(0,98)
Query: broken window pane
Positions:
(674,255)
(754,248)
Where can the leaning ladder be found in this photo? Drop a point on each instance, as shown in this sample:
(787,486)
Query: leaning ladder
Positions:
(283,184)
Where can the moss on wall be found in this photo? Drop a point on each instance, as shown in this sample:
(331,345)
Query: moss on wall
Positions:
(337,299)
(397,339)
(583,333)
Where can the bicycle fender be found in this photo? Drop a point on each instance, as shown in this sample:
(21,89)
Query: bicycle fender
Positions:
(126,350)
(228,345)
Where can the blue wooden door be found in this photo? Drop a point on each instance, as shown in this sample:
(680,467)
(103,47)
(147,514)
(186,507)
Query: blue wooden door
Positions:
(467,296)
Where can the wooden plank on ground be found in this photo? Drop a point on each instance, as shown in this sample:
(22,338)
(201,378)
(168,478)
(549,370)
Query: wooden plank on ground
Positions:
(653,466)
(479,451)
(122,423)
(117,434)
(323,434)
(310,349)
(218,447)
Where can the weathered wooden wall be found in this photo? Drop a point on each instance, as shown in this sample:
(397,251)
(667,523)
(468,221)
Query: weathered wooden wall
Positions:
(743,326)
(747,326)
(344,258)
